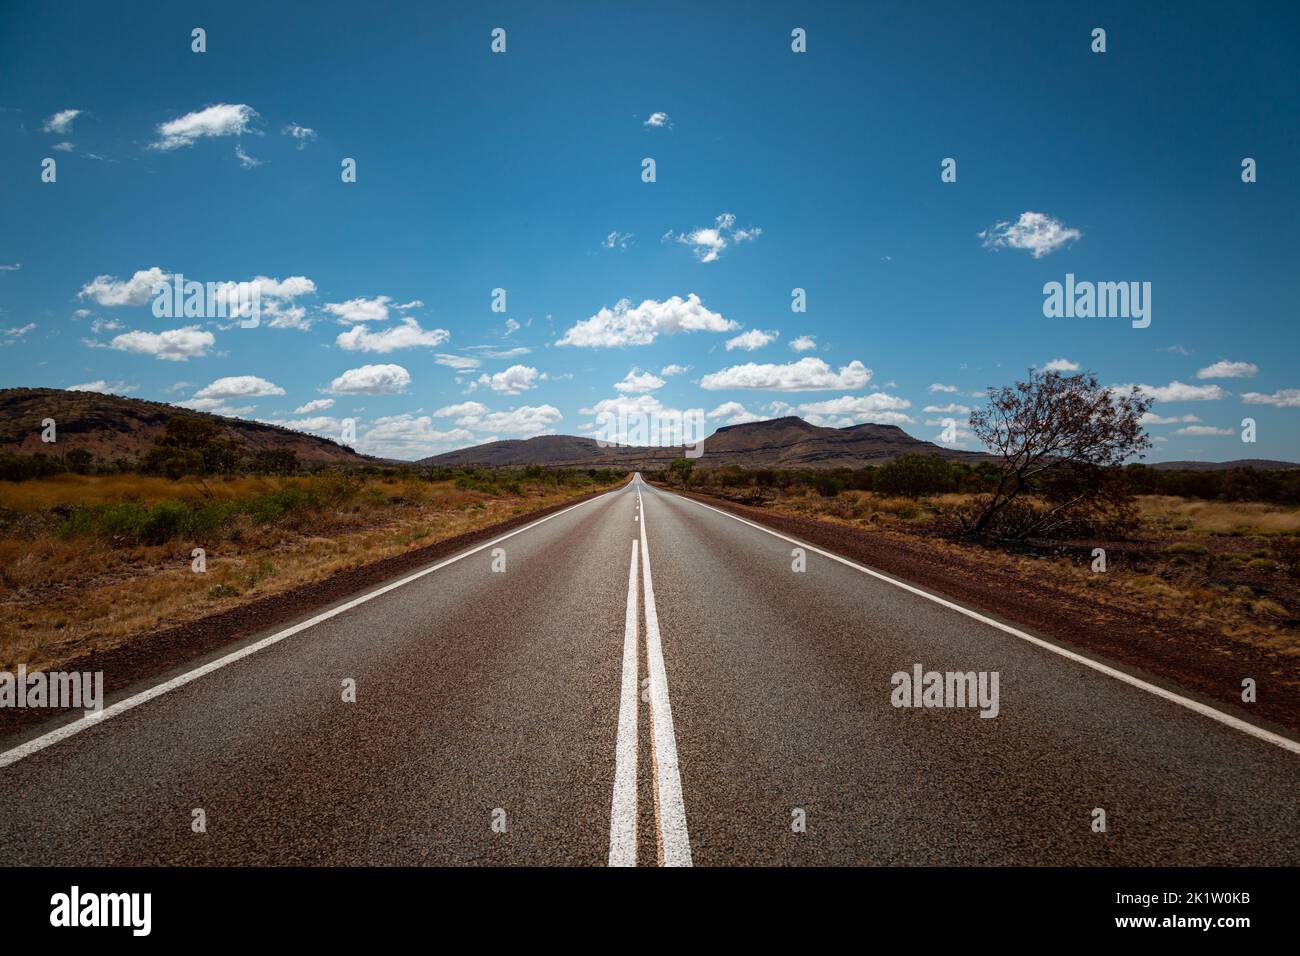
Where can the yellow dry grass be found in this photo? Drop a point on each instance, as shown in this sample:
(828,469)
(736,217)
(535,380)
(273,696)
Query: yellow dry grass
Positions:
(64,597)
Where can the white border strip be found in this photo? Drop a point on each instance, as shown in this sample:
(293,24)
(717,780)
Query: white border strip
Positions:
(75,727)
(622,814)
(1236,723)
(670,812)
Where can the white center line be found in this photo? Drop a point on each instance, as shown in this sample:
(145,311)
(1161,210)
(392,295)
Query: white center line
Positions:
(670,813)
(622,815)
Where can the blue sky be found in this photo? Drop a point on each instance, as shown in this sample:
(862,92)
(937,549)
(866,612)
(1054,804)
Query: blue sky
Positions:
(774,170)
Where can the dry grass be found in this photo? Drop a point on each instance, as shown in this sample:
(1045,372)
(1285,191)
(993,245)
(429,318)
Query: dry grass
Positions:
(1220,517)
(62,596)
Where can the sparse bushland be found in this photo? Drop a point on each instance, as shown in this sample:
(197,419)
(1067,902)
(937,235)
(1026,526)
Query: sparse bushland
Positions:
(89,561)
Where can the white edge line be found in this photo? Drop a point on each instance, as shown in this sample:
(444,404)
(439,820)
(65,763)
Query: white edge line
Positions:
(622,814)
(37,744)
(670,812)
(1236,723)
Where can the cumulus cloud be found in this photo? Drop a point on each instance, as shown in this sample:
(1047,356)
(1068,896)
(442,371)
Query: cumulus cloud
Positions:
(1224,369)
(105,388)
(734,413)
(137,290)
(878,407)
(709,242)
(174,345)
(805,375)
(669,370)
(1178,392)
(408,335)
(223,119)
(636,382)
(952,408)
(315,405)
(626,324)
(408,437)
(1151,418)
(643,420)
(752,340)
(513,381)
(60,122)
(1036,232)
(658,121)
(239,386)
(1061,365)
(804,343)
(1202,430)
(371,380)
(526,421)
(937,387)
(360,309)
(1282,398)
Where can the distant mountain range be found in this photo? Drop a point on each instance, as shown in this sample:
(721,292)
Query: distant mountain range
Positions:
(787,442)
(109,426)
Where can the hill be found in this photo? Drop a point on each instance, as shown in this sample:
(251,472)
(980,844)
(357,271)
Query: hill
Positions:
(109,426)
(1259,464)
(788,442)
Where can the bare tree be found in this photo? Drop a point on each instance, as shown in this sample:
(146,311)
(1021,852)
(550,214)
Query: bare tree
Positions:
(1053,426)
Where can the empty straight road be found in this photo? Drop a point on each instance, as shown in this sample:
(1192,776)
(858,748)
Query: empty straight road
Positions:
(641,679)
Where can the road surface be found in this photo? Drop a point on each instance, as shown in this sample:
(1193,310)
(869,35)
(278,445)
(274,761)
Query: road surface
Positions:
(645,681)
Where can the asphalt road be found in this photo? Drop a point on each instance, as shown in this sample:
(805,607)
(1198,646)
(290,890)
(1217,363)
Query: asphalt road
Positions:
(647,681)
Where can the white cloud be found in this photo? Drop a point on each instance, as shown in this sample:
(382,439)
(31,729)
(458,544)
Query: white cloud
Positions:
(514,380)
(1061,365)
(650,421)
(239,386)
(409,437)
(1178,392)
(658,121)
(11,268)
(1151,418)
(315,405)
(669,370)
(459,362)
(360,309)
(223,119)
(60,122)
(19,331)
(805,375)
(952,408)
(104,325)
(1036,232)
(709,242)
(637,381)
(878,407)
(246,161)
(1282,398)
(936,387)
(371,380)
(525,421)
(752,340)
(136,290)
(626,324)
(303,134)
(734,413)
(408,335)
(617,240)
(1224,369)
(105,388)
(174,345)
(64,147)
(1202,430)
(804,343)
